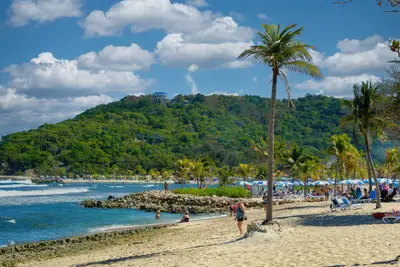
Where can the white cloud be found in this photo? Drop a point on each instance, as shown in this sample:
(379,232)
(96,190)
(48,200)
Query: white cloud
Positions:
(335,86)
(254,79)
(355,46)
(193,68)
(119,58)
(175,51)
(192,84)
(356,61)
(223,29)
(356,57)
(53,76)
(20,112)
(222,93)
(23,11)
(262,16)
(198,3)
(143,15)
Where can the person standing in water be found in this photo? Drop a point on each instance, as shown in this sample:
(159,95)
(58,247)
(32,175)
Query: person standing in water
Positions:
(240,216)
(158,214)
(165,187)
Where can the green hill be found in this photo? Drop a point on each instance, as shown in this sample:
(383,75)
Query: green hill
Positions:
(154,133)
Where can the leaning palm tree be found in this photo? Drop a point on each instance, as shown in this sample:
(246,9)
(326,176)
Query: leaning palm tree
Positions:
(367,120)
(279,50)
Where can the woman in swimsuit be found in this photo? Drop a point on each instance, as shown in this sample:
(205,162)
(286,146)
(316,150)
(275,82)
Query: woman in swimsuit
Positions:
(240,216)
(158,214)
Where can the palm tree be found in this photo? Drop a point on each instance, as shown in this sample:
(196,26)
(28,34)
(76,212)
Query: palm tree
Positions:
(366,119)
(279,50)
(184,167)
(308,168)
(224,175)
(165,174)
(391,160)
(199,172)
(244,170)
(340,147)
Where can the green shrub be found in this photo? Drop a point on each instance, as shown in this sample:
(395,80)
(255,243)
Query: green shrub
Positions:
(233,192)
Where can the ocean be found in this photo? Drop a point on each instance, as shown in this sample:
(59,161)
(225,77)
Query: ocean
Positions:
(30,212)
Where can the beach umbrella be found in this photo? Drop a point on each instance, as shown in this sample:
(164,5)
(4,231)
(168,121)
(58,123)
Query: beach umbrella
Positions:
(321,183)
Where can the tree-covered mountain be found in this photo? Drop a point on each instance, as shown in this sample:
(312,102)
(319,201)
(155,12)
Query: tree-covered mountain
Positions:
(154,133)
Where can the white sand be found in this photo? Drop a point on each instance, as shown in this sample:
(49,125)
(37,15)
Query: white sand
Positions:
(311,236)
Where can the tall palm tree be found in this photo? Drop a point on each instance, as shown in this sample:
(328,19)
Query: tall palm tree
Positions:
(244,170)
(340,147)
(308,168)
(224,175)
(367,120)
(278,50)
(199,172)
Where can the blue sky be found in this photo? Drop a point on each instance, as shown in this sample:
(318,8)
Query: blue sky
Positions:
(60,57)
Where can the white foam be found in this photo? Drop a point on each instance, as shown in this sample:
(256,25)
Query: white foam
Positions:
(121,226)
(148,185)
(9,181)
(22,185)
(208,217)
(57,191)
(12,221)
(116,186)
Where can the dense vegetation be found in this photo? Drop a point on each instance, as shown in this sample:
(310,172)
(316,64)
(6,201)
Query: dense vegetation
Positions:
(233,192)
(147,133)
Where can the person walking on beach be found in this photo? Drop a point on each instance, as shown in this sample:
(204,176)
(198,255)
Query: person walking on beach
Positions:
(265,202)
(326,192)
(165,187)
(240,216)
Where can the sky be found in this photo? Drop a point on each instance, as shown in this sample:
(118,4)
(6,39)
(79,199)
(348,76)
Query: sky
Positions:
(61,57)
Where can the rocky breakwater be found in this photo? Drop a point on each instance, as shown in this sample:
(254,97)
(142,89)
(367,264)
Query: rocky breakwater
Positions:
(174,203)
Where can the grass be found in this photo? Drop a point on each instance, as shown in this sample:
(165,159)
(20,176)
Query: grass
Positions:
(233,192)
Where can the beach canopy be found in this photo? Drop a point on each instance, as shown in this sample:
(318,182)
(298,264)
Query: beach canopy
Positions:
(321,183)
(352,182)
(297,183)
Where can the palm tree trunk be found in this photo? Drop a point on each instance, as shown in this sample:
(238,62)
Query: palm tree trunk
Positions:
(271,144)
(367,161)
(305,187)
(336,176)
(371,162)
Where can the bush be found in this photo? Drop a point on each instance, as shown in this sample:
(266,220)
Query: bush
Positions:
(233,192)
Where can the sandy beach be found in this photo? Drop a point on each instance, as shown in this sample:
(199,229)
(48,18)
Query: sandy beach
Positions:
(311,235)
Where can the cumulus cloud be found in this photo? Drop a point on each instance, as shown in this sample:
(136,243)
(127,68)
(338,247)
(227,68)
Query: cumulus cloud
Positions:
(355,57)
(336,86)
(23,11)
(21,112)
(198,3)
(121,58)
(52,76)
(143,15)
(356,61)
(175,51)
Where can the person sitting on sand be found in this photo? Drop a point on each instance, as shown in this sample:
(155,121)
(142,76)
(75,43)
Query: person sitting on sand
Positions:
(240,216)
(366,194)
(158,214)
(358,193)
(185,217)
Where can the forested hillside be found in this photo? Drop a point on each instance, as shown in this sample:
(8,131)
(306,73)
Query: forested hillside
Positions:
(154,133)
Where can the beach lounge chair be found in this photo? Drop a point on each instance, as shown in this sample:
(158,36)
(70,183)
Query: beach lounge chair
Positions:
(348,205)
(336,205)
(390,219)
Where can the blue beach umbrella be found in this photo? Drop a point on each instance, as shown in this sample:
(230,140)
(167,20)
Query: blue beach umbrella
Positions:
(321,183)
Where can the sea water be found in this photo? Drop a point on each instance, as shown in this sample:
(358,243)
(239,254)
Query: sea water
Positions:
(30,212)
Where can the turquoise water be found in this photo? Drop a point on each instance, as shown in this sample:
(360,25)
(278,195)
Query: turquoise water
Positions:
(31,212)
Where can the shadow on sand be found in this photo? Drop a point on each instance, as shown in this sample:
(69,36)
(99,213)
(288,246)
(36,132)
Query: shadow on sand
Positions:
(149,255)
(329,219)
(374,263)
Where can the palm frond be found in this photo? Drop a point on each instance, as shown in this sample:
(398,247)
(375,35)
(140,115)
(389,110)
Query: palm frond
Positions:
(304,68)
(285,80)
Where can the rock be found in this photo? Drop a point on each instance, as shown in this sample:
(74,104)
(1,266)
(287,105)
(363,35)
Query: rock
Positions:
(111,197)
